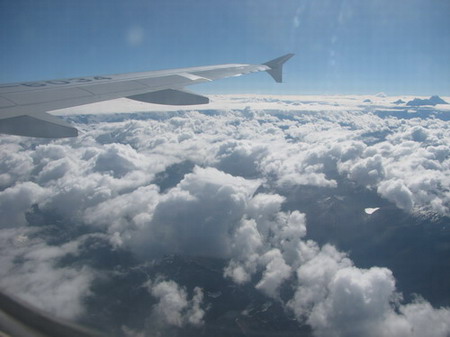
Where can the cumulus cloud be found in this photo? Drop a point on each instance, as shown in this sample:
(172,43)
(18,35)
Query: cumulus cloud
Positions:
(275,273)
(14,166)
(423,320)
(240,158)
(233,203)
(293,141)
(359,302)
(246,243)
(356,303)
(174,307)
(196,216)
(262,242)
(408,168)
(16,200)
(316,271)
(397,192)
(30,270)
(124,212)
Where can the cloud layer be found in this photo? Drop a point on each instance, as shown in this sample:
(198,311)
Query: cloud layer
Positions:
(215,184)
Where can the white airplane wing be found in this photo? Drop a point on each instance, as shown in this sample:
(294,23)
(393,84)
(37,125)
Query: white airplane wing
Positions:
(24,106)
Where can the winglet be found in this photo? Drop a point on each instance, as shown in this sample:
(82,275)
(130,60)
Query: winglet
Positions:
(276,67)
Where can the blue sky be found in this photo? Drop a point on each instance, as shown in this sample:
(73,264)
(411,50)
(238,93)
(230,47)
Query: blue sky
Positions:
(341,46)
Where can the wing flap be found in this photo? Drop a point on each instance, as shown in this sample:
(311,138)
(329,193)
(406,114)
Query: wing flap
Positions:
(37,125)
(171,97)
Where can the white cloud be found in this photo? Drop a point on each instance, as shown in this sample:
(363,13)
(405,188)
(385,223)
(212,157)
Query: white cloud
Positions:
(262,242)
(368,171)
(196,216)
(246,245)
(195,313)
(292,140)
(317,269)
(14,166)
(29,269)
(289,236)
(125,212)
(241,158)
(356,303)
(16,201)
(396,191)
(371,210)
(364,302)
(174,307)
(114,160)
(423,320)
(105,179)
(275,273)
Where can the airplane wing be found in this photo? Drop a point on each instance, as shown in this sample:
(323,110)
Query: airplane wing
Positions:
(24,105)
(20,319)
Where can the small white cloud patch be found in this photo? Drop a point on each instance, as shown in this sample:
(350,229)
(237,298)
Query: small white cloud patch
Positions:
(174,307)
(370,211)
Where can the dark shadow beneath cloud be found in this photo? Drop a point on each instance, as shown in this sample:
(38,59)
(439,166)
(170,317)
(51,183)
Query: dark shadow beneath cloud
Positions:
(173,175)
(121,299)
(409,113)
(414,247)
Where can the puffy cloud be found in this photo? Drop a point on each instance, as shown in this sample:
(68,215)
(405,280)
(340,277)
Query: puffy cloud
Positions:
(262,208)
(290,234)
(29,269)
(196,216)
(114,159)
(275,273)
(364,302)
(397,192)
(423,320)
(231,203)
(264,239)
(367,172)
(174,307)
(408,167)
(195,313)
(246,244)
(317,269)
(14,166)
(289,141)
(241,159)
(338,299)
(126,211)
(16,201)
(356,303)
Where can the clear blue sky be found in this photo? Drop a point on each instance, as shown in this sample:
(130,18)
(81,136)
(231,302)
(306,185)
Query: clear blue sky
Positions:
(341,46)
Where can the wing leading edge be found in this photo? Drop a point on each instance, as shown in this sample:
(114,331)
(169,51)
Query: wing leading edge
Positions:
(24,106)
